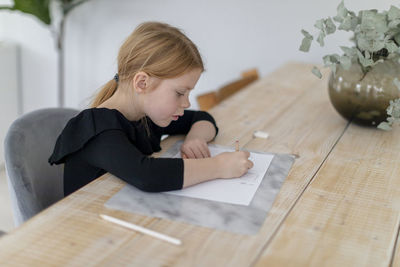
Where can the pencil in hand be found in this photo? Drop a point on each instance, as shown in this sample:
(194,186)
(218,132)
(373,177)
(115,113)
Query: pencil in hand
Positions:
(237,145)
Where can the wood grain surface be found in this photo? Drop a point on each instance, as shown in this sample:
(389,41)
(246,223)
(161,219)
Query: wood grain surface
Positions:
(339,205)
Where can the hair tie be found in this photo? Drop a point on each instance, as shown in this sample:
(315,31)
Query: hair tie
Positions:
(116,77)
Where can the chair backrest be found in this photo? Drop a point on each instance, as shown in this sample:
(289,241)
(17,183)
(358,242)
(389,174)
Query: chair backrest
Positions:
(33,183)
(209,100)
(232,88)
(250,73)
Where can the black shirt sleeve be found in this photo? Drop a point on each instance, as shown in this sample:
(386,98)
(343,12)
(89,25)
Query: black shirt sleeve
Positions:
(113,152)
(184,123)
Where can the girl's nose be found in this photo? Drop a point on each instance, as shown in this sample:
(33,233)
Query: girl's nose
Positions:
(186,103)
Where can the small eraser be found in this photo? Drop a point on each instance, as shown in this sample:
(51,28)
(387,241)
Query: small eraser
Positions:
(260,134)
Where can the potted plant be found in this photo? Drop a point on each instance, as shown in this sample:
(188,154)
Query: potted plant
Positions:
(41,10)
(364,85)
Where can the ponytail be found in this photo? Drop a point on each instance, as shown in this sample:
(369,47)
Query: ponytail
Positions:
(105,93)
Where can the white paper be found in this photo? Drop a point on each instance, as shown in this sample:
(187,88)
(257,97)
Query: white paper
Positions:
(236,190)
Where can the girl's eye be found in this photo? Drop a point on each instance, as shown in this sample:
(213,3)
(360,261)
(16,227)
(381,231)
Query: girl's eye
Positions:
(179,94)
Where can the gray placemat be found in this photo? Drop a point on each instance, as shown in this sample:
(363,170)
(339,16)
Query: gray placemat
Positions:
(222,216)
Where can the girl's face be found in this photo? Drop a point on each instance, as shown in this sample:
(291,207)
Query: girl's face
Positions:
(167,101)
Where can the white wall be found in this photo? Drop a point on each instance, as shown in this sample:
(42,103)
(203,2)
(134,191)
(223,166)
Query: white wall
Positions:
(39,73)
(9,90)
(231,36)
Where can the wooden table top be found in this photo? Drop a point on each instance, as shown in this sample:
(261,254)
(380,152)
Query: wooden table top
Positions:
(339,205)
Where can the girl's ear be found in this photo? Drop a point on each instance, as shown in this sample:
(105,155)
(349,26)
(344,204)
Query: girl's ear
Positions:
(141,82)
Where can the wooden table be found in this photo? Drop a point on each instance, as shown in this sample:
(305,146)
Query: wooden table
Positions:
(339,206)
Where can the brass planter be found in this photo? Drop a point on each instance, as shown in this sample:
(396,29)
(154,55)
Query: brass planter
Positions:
(364,98)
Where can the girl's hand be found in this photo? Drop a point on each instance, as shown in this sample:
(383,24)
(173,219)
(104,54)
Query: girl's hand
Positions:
(234,164)
(195,148)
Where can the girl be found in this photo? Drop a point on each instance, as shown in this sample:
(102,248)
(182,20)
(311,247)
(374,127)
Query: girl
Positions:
(158,66)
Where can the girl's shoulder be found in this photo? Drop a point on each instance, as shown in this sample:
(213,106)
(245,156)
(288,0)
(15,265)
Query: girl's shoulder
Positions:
(93,121)
(88,124)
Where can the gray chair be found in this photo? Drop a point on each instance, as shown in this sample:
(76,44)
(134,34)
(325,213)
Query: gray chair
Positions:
(33,183)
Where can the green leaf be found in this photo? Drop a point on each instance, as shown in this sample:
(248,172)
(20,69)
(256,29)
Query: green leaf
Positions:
(365,61)
(397,38)
(394,13)
(346,24)
(38,8)
(349,51)
(351,13)
(363,43)
(319,24)
(394,24)
(373,21)
(397,83)
(395,108)
(391,120)
(307,34)
(320,39)
(335,58)
(349,23)
(345,62)
(329,26)
(341,10)
(373,35)
(331,59)
(355,22)
(338,19)
(377,45)
(327,60)
(367,22)
(371,41)
(385,126)
(306,43)
(396,112)
(391,47)
(316,72)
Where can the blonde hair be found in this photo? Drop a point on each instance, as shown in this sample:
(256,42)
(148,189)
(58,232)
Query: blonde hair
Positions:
(157,49)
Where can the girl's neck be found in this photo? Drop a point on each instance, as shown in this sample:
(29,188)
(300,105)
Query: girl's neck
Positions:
(126,103)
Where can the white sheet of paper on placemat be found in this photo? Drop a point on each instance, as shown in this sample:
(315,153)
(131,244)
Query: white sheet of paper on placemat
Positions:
(235,191)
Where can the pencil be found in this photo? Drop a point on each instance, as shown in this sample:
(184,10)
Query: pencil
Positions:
(142,230)
(237,145)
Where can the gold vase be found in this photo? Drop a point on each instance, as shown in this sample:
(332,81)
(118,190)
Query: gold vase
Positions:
(363,98)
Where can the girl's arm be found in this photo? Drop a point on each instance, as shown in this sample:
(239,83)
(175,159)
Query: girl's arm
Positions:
(113,152)
(224,165)
(204,130)
(196,171)
(195,144)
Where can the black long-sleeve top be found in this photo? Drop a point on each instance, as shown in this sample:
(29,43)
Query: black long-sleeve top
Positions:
(100,140)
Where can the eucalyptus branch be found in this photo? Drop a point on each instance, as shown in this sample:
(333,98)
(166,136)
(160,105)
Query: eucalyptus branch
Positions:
(393,112)
(376,38)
